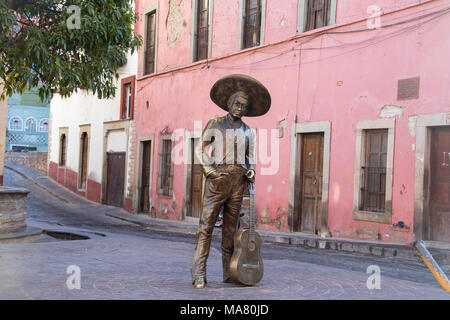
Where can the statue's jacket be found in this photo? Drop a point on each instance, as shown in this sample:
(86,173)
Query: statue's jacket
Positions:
(221,144)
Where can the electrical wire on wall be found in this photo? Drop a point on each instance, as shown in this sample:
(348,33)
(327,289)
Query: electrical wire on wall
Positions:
(372,41)
(302,41)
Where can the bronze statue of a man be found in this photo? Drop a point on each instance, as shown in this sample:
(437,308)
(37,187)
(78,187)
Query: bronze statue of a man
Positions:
(229,168)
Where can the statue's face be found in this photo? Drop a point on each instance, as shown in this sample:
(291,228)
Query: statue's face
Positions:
(239,106)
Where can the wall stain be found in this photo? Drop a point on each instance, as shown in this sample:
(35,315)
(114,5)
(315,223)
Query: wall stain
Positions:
(175,23)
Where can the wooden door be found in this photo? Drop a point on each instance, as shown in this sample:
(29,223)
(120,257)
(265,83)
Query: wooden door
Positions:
(145,177)
(311,182)
(84,161)
(115,181)
(439,205)
(196,185)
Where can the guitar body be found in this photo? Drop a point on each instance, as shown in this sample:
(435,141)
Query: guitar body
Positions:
(246,264)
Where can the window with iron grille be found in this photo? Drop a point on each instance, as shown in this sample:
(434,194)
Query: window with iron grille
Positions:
(318,14)
(202,30)
(373,190)
(150,43)
(30,125)
(62,150)
(252,24)
(15,124)
(165,168)
(43,125)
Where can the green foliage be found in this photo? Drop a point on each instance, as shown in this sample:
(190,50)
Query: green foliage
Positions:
(38,47)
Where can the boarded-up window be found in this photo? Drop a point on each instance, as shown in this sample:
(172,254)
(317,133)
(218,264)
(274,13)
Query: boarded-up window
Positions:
(252,23)
(62,150)
(373,189)
(202,30)
(318,14)
(165,168)
(150,43)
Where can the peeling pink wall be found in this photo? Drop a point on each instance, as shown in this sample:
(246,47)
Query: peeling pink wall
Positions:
(367,66)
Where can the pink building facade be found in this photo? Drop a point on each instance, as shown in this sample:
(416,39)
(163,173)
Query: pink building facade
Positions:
(355,144)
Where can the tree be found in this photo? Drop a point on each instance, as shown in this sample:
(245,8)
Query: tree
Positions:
(63,45)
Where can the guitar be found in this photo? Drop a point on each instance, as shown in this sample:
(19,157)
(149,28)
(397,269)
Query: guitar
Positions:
(246,264)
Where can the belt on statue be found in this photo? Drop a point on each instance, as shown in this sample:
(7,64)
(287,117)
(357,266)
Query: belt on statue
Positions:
(231,168)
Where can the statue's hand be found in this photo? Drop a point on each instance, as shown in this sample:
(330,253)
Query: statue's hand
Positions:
(251,175)
(214,175)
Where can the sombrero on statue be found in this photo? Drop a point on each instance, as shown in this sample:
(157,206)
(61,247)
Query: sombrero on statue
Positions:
(259,99)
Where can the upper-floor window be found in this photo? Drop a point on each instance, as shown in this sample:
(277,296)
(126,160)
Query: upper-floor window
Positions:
(252,23)
(150,43)
(316,14)
(30,125)
(127,98)
(201,30)
(16,124)
(43,125)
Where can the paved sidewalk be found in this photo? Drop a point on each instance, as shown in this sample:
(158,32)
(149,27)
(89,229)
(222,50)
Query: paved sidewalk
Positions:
(441,255)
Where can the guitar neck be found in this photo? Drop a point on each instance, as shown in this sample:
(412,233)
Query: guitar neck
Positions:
(252,212)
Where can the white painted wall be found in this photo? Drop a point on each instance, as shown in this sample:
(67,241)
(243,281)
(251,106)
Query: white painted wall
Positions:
(83,108)
(117,141)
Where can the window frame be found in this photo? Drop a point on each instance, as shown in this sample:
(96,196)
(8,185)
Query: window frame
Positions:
(303,13)
(84,137)
(150,10)
(125,112)
(48,125)
(194,38)
(368,133)
(35,125)
(85,129)
(62,161)
(21,123)
(165,190)
(242,28)
(360,154)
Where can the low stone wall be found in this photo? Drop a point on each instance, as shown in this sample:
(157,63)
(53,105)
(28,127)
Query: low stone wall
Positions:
(33,159)
(13,210)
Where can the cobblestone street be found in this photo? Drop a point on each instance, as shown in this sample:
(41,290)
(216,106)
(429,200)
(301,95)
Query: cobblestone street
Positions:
(127,261)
